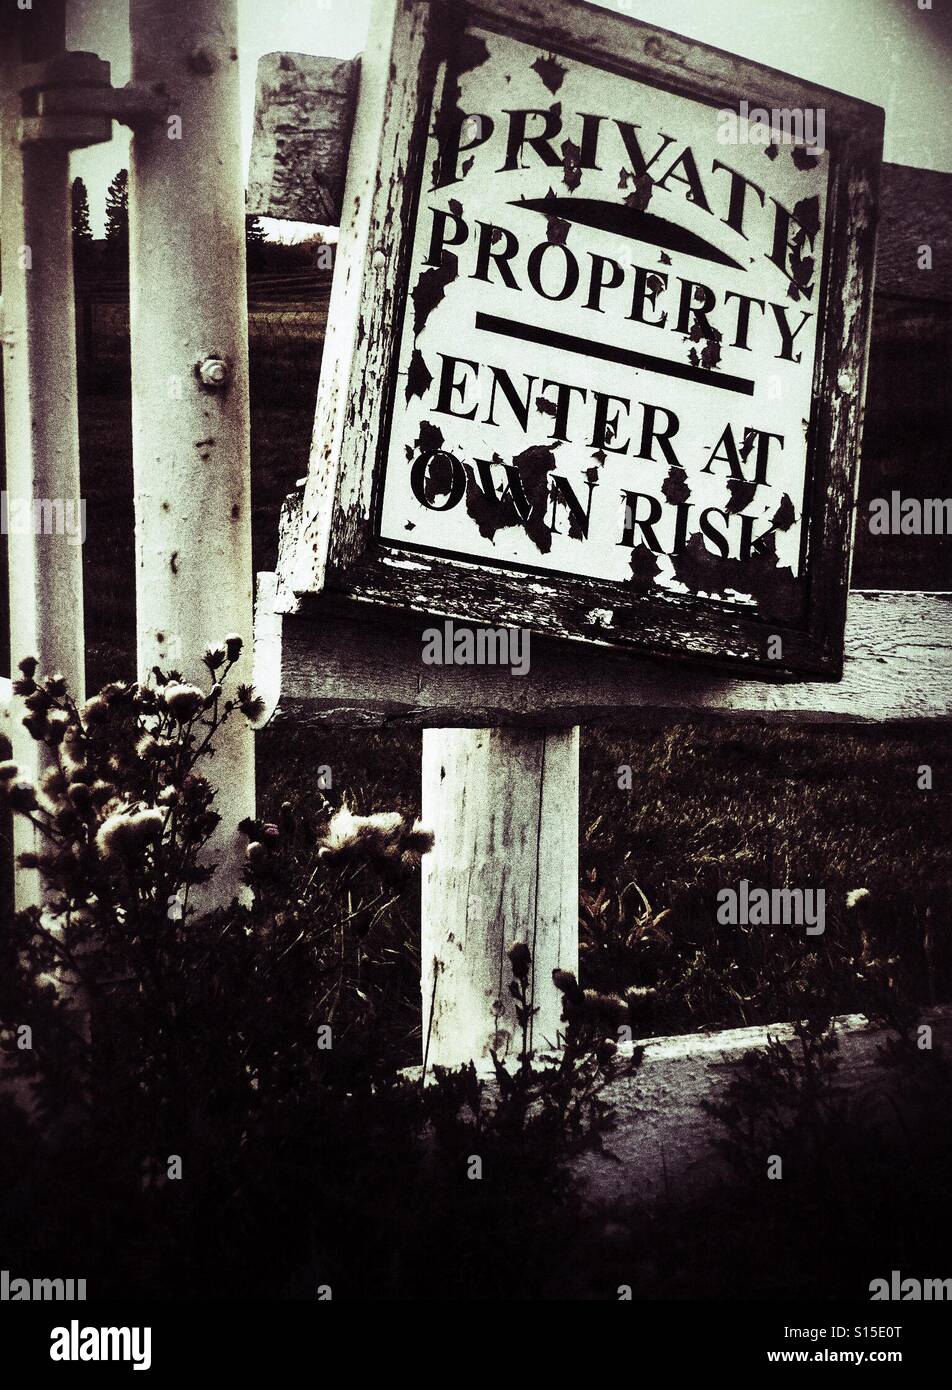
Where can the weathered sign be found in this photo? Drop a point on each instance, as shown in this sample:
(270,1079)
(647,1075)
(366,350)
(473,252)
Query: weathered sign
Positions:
(598,338)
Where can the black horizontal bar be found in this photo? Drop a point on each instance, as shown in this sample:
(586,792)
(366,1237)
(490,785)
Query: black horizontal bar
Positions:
(547,337)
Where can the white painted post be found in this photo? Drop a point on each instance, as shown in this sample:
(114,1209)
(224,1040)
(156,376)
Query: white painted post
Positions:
(41,423)
(189,331)
(504,868)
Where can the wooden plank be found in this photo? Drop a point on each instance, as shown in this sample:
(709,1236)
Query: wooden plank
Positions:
(348,671)
(504,868)
(304,111)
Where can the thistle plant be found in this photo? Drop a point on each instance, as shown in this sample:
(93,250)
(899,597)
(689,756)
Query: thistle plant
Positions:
(123,809)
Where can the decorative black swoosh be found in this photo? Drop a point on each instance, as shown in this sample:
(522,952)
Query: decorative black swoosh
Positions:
(629,222)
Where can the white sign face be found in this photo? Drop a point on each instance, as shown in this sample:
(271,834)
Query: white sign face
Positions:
(607,359)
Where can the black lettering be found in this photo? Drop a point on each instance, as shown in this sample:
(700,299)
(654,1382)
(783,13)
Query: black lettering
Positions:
(518,139)
(438,238)
(597,281)
(534,270)
(663,436)
(648,285)
(450,386)
(519,407)
(436,475)
(646,526)
(489,234)
(605,428)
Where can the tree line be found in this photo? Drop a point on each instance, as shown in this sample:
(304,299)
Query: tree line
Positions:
(109,254)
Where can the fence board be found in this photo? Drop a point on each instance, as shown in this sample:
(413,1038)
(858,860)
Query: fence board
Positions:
(344,671)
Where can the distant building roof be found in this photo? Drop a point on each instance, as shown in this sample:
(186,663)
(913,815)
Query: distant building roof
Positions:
(915,211)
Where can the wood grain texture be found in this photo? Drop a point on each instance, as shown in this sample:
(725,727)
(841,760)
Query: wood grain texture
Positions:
(338,670)
(504,868)
(304,114)
(357,349)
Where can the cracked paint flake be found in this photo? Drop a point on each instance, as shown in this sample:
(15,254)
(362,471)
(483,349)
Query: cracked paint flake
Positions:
(644,568)
(740,493)
(785,515)
(557,230)
(774,587)
(571,165)
(551,71)
(675,487)
(524,498)
(419,379)
(430,289)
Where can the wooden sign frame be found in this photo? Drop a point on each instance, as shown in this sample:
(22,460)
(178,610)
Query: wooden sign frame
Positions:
(337,555)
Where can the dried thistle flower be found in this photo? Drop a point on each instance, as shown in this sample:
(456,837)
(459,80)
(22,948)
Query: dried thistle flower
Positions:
(183,701)
(95,710)
(856,896)
(74,747)
(53,783)
(254,709)
(418,840)
(22,795)
(607,1009)
(148,748)
(57,726)
(520,958)
(8,771)
(233,645)
(80,795)
(567,985)
(387,836)
(128,832)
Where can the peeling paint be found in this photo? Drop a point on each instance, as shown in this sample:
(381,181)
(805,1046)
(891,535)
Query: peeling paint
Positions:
(675,487)
(804,158)
(419,379)
(430,289)
(740,494)
(642,187)
(644,568)
(773,587)
(806,214)
(551,71)
(785,515)
(465,52)
(571,165)
(557,230)
(523,503)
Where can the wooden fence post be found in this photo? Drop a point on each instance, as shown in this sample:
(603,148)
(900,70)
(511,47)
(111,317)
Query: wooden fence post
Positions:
(504,868)
(189,336)
(41,414)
